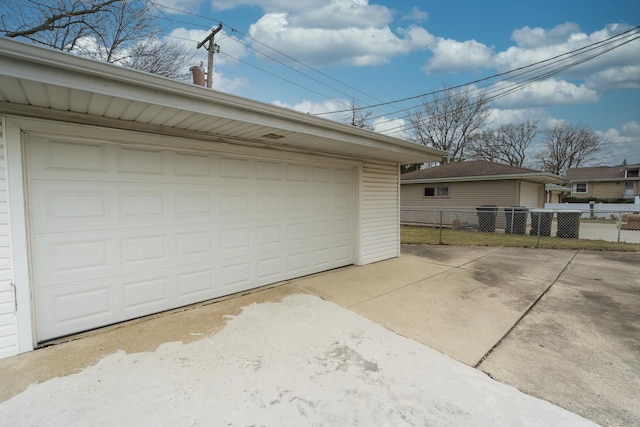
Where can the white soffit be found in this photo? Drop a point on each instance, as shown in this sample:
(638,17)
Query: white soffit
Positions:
(50,84)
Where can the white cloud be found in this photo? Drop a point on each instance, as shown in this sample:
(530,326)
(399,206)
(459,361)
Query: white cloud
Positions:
(227,85)
(396,127)
(336,32)
(627,77)
(613,69)
(416,15)
(499,117)
(310,107)
(320,13)
(631,129)
(452,56)
(531,38)
(622,144)
(543,93)
(344,46)
(174,6)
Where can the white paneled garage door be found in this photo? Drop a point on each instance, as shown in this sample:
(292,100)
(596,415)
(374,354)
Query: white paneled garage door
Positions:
(119,231)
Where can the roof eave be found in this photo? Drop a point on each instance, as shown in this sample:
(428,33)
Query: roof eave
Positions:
(56,69)
(542,178)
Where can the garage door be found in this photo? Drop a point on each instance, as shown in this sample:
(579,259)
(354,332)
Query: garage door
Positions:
(119,231)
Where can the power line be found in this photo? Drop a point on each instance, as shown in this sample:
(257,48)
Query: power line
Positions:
(161,6)
(422,95)
(274,75)
(497,92)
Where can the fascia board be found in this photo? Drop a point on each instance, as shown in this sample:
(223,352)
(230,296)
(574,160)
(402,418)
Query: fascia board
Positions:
(48,66)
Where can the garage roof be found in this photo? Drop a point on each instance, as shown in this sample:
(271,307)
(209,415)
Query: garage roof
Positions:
(50,84)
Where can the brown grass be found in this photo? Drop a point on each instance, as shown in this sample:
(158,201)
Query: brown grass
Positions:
(431,236)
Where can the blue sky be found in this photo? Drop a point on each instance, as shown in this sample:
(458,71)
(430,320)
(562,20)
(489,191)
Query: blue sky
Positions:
(379,51)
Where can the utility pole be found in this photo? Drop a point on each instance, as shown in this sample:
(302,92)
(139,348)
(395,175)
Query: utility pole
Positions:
(210,48)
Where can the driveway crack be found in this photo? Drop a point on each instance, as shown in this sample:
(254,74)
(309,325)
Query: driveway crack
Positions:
(526,312)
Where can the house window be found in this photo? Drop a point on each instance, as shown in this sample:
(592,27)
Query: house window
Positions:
(581,188)
(436,192)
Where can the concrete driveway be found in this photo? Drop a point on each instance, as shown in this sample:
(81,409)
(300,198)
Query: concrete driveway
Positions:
(560,325)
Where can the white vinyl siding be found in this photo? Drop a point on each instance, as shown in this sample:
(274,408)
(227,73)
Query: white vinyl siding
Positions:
(8,329)
(531,195)
(380,229)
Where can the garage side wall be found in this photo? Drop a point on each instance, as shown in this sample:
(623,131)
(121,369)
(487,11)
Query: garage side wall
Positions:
(380,212)
(8,329)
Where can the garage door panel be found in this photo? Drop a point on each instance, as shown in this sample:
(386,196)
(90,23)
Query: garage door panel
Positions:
(269,268)
(71,256)
(141,230)
(235,168)
(140,161)
(194,244)
(70,309)
(343,254)
(195,284)
(63,257)
(144,295)
(145,248)
(59,156)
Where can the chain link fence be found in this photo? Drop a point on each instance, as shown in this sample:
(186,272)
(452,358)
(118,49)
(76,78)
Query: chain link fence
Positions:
(528,227)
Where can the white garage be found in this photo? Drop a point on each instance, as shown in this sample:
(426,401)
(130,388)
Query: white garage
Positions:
(125,194)
(118,232)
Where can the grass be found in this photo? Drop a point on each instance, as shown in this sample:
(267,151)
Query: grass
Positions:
(431,236)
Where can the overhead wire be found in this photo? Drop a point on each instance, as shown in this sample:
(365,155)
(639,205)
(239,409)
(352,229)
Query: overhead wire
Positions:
(491,91)
(494,76)
(498,92)
(272,58)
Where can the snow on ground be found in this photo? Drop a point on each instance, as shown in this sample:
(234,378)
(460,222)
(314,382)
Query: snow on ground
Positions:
(300,362)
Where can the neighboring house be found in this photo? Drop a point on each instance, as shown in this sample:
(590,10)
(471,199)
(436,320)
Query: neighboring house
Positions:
(467,185)
(605,182)
(124,194)
(554,193)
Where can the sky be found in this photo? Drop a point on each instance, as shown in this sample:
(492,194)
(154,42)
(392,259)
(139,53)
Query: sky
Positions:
(319,56)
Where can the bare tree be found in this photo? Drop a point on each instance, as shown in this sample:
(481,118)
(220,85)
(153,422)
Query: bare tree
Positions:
(58,24)
(568,147)
(450,122)
(116,31)
(507,144)
(163,59)
(358,117)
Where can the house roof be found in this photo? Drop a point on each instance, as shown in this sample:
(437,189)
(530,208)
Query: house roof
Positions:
(50,84)
(557,187)
(478,170)
(599,173)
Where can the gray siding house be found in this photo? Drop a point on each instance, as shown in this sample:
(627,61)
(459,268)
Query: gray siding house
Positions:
(466,185)
(459,188)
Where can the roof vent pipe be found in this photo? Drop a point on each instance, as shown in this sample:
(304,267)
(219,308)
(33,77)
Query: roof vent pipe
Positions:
(198,75)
